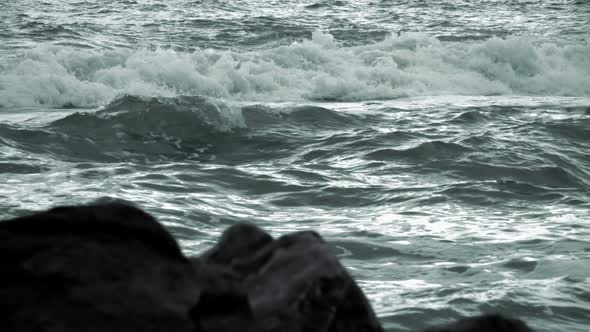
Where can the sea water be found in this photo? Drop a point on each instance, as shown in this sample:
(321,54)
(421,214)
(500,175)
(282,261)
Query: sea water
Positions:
(441,147)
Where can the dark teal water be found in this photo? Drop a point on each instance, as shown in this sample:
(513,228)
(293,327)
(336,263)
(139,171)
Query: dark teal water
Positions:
(443,149)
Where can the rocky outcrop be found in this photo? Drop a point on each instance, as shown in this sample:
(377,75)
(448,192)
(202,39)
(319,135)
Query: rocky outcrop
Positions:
(105,267)
(112,267)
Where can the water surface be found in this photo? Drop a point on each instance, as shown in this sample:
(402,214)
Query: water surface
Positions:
(441,148)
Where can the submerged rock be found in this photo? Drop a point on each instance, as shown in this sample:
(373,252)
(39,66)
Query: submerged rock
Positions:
(112,267)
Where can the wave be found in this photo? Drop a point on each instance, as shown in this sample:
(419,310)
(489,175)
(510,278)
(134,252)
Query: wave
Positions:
(318,69)
(422,151)
(545,176)
(184,117)
(472,116)
(301,115)
(186,127)
(135,126)
(323,4)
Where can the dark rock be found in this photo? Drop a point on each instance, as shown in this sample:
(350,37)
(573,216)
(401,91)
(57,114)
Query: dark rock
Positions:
(112,267)
(93,268)
(293,283)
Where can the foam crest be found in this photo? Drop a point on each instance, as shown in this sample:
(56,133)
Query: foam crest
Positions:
(315,69)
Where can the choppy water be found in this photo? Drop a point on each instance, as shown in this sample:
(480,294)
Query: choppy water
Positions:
(442,148)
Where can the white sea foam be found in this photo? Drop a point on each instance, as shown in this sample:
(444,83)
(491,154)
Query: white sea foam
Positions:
(315,69)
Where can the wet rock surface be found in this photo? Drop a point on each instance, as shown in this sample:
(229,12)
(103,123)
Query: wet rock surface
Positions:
(112,267)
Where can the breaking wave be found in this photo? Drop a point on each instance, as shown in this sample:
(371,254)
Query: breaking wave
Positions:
(318,69)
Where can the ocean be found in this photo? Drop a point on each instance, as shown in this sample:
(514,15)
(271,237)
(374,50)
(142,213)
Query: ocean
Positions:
(442,148)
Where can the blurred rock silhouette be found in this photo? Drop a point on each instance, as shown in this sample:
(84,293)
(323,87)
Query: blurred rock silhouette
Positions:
(112,267)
